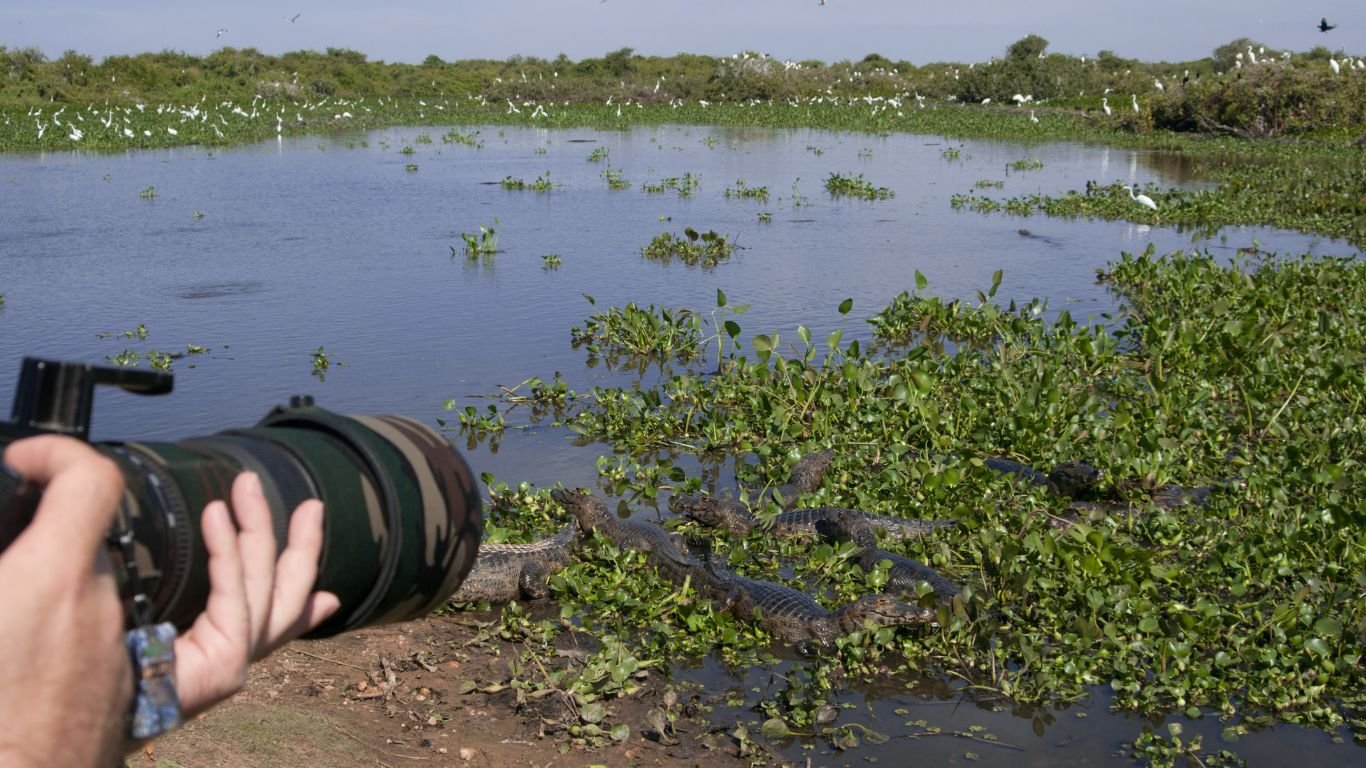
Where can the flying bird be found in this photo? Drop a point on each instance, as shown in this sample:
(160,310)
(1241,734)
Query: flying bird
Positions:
(220,32)
(1324,26)
(295,17)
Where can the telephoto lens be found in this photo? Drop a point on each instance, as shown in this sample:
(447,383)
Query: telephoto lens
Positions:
(401,526)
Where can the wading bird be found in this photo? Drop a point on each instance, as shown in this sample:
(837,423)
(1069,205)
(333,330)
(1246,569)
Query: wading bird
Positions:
(1134,96)
(1142,200)
(1332,62)
(1105,105)
(1324,26)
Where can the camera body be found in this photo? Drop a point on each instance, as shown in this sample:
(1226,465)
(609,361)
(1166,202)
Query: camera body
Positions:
(402,523)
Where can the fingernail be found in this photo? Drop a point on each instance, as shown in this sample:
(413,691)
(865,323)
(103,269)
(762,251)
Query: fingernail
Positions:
(254,483)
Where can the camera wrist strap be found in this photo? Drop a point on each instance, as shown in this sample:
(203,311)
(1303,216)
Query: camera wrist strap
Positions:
(155,708)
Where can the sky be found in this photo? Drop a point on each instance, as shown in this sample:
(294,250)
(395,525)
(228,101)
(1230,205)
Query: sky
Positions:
(911,30)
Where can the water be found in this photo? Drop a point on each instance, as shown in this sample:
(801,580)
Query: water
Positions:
(330,242)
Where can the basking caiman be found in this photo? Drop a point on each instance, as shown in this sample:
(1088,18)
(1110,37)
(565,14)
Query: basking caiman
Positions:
(731,515)
(795,617)
(664,550)
(506,572)
(1072,479)
(905,575)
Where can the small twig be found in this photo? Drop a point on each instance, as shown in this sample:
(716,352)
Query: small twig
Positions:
(352,736)
(334,661)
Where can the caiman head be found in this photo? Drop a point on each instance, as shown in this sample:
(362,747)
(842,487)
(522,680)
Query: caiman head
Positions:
(714,512)
(883,611)
(589,510)
(1074,479)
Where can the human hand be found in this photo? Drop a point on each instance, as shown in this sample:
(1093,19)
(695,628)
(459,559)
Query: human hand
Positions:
(66,671)
(256,602)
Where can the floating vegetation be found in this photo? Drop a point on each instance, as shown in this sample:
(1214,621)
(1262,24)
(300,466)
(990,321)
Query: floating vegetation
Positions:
(658,333)
(132,357)
(1025,164)
(407,150)
(741,189)
(855,186)
(484,243)
(1246,379)
(423,138)
(598,155)
(765,217)
(149,193)
(706,249)
(987,183)
(951,154)
(616,180)
(320,363)
(684,185)
(550,261)
(468,139)
(541,184)
(410,167)
(933,320)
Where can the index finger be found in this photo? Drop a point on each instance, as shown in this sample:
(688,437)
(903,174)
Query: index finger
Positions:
(81,491)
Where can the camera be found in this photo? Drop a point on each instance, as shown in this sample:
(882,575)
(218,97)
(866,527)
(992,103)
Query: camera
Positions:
(402,523)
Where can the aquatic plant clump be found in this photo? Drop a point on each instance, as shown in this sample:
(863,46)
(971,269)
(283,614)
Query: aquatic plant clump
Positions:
(1247,379)
(631,330)
(704,249)
(855,186)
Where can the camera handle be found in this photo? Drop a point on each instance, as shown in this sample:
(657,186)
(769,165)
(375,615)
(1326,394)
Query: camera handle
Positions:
(53,396)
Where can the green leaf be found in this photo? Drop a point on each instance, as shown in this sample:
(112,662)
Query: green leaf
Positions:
(620,732)
(804,334)
(996,281)
(846,305)
(920,281)
(763,342)
(592,712)
(1317,646)
(720,298)
(732,328)
(1328,627)
(775,728)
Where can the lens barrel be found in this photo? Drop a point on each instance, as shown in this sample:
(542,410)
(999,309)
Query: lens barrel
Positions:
(402,522)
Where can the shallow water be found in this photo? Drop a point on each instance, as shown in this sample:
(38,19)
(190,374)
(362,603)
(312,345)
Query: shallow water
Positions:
(331,242)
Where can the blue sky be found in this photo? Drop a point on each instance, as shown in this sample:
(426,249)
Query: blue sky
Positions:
(921,32)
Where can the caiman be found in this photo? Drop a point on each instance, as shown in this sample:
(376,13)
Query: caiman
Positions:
(1071,479)
(506,572)
(793,616)
(729,514)
(663,549)
(905,575)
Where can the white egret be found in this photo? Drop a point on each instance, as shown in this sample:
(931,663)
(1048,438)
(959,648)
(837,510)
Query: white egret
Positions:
(220,32)
(1032,118)
(1105,105)
(1332,62)
(1134,96)
(1251,57)
(1142,200)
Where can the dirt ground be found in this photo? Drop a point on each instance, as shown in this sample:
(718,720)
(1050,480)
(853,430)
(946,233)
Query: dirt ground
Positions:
(392,696)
